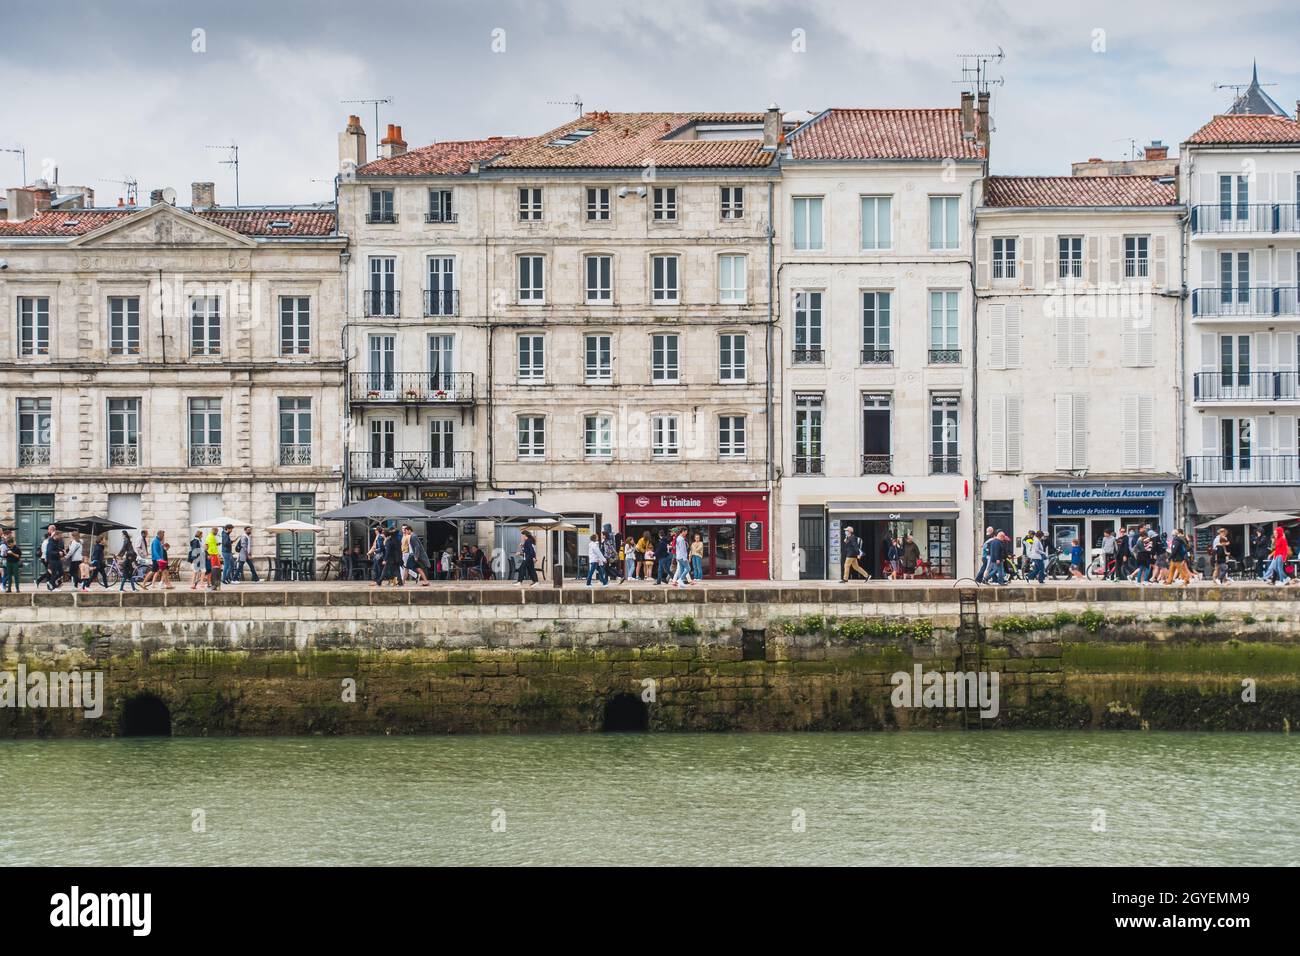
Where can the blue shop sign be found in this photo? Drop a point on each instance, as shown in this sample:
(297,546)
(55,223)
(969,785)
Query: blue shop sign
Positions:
(1104,509)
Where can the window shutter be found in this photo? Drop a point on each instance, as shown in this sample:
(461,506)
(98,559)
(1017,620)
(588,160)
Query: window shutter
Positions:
(1286,436)
(1013,341)
(1079,345)
(1263,186)
(1282,185)
(1129,431)
(983,262)
(1209,436)
(1285,268)
(1014,458)
(1261,435)
(1160,251)
(1116,272)
(1091,253)
(1209,351)
(998,432)
(1062,338)
(1064,428)
(1146,432)
(1049,260)
(1209,268)
(1263,347)
(1209,190)
(1079,424)
(1025,249)
(1261,261)
(1139,345)
(997,336)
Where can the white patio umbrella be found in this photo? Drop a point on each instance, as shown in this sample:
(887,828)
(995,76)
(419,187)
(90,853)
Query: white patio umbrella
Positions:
(220,521)
(560,526)
(295,528)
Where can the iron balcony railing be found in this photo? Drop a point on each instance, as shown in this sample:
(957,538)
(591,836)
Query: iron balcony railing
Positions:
(945,464)
(1242,469)
(439,216)
(1137,268)
(205,455)
(1245,386)
(1004,268)
(877,464)
(431,388)
(379,302)
(1219,218)
(30,456)
(945,356)
(124,455)
(442,302)
(808,356)
(809,464)
(877,356)
(414,467)
(381,216)
(1245,300)
(295,454)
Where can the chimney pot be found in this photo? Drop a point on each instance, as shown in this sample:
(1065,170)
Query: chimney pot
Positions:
(392,144)
(352,145)
(203,195)
(121,203)
(21,204)
(1157,150)
(773,128)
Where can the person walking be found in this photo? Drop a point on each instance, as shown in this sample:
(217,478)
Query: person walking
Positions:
(631,554)
(393,558)
(1277,555)
(527,560)
(982,573)
(1109,564)
(142,552)
(198,563)
(1219,556)
(663,560)
(54,551)
(127,559)
(1179,552)
(911,556)
(596,561)
(212,548)
(158,554)
(852,552)
(98,569)
(73,559)
(697,557)
(682,554)
(417,556)
(13,563)
(376,555)
(244,549)
(227,555)
(42,549)
(1037,556)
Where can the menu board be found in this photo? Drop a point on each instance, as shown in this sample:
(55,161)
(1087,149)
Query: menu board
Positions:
(940,547)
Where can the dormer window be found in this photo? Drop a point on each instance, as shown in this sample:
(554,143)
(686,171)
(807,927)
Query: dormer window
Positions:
(571,137)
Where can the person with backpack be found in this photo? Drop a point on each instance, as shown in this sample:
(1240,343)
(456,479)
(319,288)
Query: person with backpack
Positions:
(1179,552)
(127,559)
(852,552)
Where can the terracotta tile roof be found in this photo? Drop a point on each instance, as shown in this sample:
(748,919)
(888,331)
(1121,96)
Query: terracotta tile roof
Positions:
(1246,128)
(451,158)
(883,134)
(630,140)
(250,222)
(1078,191)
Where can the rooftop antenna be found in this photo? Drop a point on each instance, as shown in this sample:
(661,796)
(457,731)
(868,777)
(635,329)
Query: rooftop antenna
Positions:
(375,103)
(132,188)
(233,152)
(975,70)
(21,151)
(576,102)
(1132,145)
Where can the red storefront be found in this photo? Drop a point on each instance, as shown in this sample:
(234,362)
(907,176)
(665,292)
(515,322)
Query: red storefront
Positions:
(732,525)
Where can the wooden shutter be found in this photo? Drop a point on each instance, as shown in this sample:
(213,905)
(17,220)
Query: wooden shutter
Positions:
(1079,344)
(1161,253)
(983,260)
(1146,432)
(1064,432)
(1139,349)
(1049,260)
(1013,340)
(1116,267)
(998,432)
(1015,461)
(1129,431)
(1079,424)
(1062,330)
(1025,250)
(1285,443)
(1091,253)
(997,336)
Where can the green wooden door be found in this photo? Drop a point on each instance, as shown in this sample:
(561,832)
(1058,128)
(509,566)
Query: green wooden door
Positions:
(32,514)
(303,508)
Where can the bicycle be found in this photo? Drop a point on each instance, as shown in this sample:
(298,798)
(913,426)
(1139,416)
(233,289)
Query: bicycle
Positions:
(114,572)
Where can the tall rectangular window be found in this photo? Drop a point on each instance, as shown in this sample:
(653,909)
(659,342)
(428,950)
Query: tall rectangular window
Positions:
(808,223)
(1004,257)
(442,446)
(532,358)
(944,224)
(532,279)
(441,296)
(663,437)
(1069,257)
(808,408)
(1230,187)
(664,362)
(382,206)
(731,436)
(442,364)
(943,327)
(877,328)
(731,279)
(731,357)
(664,204)
(440,207)
(295,325)
(123,325)
(599,359)
(877,434)
(1072,432)
(35,428)
(383,443)
(664,279)
(295,431)
(205,325)
(532,436)
(1136,264)
(600,279)
(877,226)
(945,430)
(123,432)
(598,204)
(33,325)
(530,204)
(205,431)
(381,295)
(732,200)
(808,327)
(598,436)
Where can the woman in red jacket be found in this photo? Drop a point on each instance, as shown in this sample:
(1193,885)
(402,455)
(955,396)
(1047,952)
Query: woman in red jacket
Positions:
(1277,558)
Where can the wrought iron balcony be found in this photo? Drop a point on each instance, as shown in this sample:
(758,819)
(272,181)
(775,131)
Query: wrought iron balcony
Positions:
(411,467)
(1242,469)
(295,454)
(1137,268)
(442,302)
(807,356)
(439,215)
(877,356)
(379,302)
(1245,301)
(945,464)
(30,456)
(421,388)
(877,464)
(381,216)
(126,456)
(1221,218)
(945,356)
(205,455)
(1245,386)
(809,464)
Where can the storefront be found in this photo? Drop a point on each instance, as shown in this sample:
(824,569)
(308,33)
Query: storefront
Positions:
(931,523)
(1087,510)
(437,535)
(732,525)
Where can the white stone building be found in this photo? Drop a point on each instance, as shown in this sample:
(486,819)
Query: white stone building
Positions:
(1078,322)
(165,365)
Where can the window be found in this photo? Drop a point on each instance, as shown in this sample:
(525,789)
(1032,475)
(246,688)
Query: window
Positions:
(733,202)
(808,327)
(1135,257)
(664,278)
(598,436)
(442,445)
(381,296)
(877,222)
(1227,208)
(440,208)
(35,427)
(1071,432)
(1069,263)
(945,346)
(530,204)
(123,431)
(731,357)
(945,458)
(123,325)
(1138,437)
(532,436)
(600,361)
(383,443)
(441,298)
(1234,277)
(33,325)
(731,436)
(664,205)
(808,223)
(1005,341)
(442,364)
(295,431)
(877,337)
(381,206)
(664,367)
(295,325)
(731,279)
(1005,434)
(598,204)
(205,325)
(877,434)
(1235,441)
(382,353)
(808,408)
(205,431)
(1004,257)
(532,279)
(1071,339)
(663,436)
(943,223)
(600,278)
(532,358)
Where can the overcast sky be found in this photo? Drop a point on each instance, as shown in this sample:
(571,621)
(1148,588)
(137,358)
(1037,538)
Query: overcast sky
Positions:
(113,91)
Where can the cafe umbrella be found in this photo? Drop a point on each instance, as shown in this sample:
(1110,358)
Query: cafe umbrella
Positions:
(498,511)
(561,527)
(93,525)
(295,528)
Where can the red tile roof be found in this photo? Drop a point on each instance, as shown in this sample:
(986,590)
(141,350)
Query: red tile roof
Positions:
(884,134)
(631,140)
(1078,191)
(450,158)
(1243,128)
(250,222)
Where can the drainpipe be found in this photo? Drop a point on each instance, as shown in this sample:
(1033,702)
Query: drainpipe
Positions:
(977,495)
(772,557)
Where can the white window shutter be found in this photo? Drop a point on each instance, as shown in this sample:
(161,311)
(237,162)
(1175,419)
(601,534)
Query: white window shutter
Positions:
(1210,436)
(1261,271)
(998,432)
(983,258)
(1025,249)
(1139,345)
(1285,268)
(1209,269)
(1015,459)
(1062,338)
(1262,361)
(1209,351)
(997,336)
(1115,268)
(1209,192)
(1014,344)
(1092,254)
(1160,273)
(1146,432)
(1146,356)
(1064,432)
(1263,185)
(1079,345)
(1079,414)
(1285,439)
(1049,260)
(1261,435)
(1129,431)
(1129,351)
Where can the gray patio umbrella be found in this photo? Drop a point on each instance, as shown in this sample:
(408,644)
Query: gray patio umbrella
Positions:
(1247,515)
(494,509)
(377,509)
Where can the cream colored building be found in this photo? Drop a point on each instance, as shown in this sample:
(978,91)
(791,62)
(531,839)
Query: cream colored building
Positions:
(165,365)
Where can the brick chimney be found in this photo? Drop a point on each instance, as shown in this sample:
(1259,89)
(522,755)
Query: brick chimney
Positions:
(21,204)
(352,145)
(773,128)
(968,115)
(392,144)
(202,196)
(1157,150)
(155,197)
(982,121)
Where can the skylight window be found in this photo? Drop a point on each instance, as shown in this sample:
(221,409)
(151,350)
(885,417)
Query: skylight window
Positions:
(281,224)
(571,137)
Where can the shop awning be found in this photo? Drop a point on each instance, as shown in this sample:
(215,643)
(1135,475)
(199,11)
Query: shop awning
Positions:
(911,508)
(662,518)
(1218,501)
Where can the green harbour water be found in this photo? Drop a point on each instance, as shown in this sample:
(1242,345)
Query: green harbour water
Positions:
(993,798)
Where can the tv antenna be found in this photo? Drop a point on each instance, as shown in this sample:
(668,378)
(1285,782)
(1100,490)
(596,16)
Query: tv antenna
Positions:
(975,70)
(375,103)
(233,152)
(576,102)
(132,188)
(22,152)
(1132,145)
